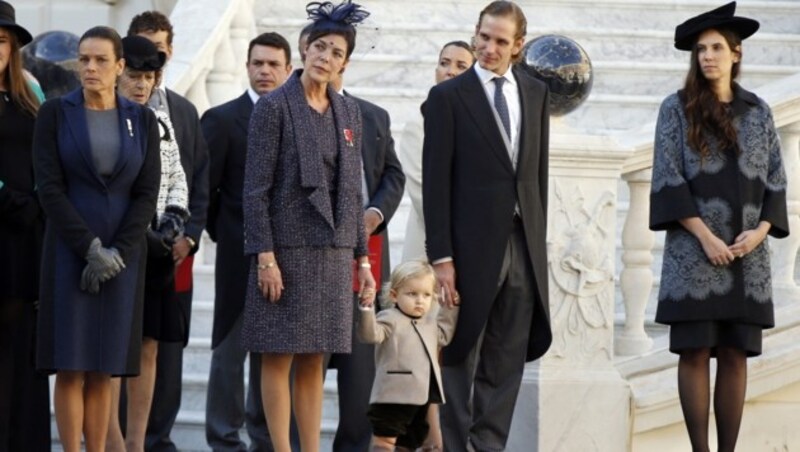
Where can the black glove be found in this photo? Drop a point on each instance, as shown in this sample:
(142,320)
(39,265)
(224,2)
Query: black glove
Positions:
(171,224)
(104,263)
(89,281)
(156,245)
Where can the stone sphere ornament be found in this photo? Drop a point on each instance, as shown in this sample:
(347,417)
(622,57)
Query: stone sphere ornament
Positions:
(52,57)
(564,66)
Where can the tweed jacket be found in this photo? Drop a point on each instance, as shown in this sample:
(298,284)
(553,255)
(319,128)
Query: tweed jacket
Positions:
(286,198)
(731,192)
(406,350)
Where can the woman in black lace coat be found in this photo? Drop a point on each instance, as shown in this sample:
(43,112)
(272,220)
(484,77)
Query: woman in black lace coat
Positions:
(718,189)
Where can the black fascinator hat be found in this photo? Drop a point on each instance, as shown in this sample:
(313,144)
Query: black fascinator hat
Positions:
(338,19)
(722,17)
(141,54)
(8,19)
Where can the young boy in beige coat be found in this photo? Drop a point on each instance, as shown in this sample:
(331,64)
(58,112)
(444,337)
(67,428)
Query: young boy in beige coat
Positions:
(407,375)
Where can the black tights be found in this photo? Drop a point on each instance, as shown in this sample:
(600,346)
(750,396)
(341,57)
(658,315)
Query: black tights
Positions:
(729,391)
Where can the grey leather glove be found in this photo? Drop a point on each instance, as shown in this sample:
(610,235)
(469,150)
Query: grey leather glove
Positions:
(89,281)
(105,263)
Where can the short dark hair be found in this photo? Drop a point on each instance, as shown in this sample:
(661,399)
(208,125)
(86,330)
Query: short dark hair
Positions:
(107,33)
(151,22)
(271,39)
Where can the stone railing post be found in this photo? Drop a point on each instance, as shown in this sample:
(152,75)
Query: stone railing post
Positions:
(576,382)
(784,252)
(636,279)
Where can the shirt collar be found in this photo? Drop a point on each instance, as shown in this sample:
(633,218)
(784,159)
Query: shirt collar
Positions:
(253,95)
(486,76)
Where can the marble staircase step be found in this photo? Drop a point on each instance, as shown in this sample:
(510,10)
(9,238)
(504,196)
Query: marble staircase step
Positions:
(775,16)
(600,43)
(610,77)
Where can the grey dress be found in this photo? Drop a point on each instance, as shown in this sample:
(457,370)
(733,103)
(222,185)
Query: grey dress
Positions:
(302,200)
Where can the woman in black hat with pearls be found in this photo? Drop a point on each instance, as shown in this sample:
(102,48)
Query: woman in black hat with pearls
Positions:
(718,189)
(24,394)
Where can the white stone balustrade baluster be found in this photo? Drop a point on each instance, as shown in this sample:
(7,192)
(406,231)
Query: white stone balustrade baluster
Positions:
(223,81)
(636,279)
(784,252)
(243,29)
(198,95)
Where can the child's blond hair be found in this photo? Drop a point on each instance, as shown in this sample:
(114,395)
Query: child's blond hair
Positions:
(405,272)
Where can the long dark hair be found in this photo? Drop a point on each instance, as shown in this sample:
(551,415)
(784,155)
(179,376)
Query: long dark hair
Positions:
(705,113)
(15,82)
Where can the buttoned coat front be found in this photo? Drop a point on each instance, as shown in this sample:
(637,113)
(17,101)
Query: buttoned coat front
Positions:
(78,330)
(406,351)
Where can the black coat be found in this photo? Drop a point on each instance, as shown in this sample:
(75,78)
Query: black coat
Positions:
(21,218)
(225,129)
(194,158)
(469,190)
(382,171)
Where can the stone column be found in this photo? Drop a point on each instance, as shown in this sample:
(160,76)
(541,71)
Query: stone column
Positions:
(575,384)
(784,251)
(636,279)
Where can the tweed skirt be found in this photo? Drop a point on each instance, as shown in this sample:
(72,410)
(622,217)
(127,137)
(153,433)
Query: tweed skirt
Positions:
(314,313)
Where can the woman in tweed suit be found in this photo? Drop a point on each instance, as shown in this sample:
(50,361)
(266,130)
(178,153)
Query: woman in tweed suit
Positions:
(303,225)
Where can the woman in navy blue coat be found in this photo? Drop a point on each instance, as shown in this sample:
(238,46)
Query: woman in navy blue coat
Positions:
(97,166)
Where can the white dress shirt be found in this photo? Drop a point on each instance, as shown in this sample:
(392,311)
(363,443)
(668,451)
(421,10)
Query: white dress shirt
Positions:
(511,91)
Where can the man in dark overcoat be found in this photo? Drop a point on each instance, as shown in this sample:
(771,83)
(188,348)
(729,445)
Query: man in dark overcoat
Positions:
(225,128)
(194,158)
(485,176)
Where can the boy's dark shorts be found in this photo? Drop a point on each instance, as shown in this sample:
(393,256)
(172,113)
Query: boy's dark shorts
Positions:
(407,423)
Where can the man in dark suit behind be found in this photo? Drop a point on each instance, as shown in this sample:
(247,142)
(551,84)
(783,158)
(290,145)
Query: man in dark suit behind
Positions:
(485,158)
(225,128)
(383,183)
(194,159)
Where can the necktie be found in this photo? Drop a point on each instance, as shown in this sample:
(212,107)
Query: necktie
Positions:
(501,105)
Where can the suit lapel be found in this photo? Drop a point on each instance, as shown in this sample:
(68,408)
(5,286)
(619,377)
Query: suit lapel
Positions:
(244,108)
(478,106)
(75,115)
(310,161)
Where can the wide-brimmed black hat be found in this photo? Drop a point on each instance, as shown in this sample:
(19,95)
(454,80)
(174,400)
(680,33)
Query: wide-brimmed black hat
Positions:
(141,54)
(722,17)
(8,19)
